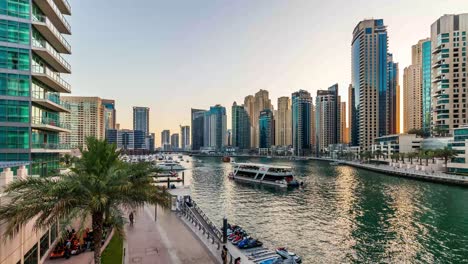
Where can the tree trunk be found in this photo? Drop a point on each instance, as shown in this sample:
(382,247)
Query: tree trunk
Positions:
(98,221)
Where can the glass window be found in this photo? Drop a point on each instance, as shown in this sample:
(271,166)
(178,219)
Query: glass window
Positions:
(14,59)
(31,256)
(15,8)
(14,137)
(14,111)
(44,244)
(14,84)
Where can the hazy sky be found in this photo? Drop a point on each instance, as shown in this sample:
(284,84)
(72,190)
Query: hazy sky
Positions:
(174,55)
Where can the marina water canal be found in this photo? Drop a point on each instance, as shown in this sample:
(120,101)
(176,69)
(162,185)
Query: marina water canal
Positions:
(342,214)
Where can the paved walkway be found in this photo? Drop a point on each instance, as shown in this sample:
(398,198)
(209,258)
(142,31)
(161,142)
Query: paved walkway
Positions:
(167,240)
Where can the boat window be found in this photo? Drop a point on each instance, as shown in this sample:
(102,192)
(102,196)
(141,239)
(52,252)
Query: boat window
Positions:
(273,178)
(246,174)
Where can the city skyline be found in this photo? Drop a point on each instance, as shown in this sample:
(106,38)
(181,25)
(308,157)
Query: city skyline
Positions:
(239,67)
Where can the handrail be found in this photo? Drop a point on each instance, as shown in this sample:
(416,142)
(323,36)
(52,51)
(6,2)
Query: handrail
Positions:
(59,14)
(213,227)
(44,44)
(54,75)
(51,26)
(53,97)
(49,121)
(50,146)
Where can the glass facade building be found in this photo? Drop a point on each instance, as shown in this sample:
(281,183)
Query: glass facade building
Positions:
(426,85)
(31,68)
(374,84)
(214,132)
(266,129)
(241,127)
(302,109)
(198,125)
(141,119)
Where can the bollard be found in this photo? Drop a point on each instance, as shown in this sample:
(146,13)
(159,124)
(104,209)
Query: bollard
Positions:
(168,183)
(225,227)
(183,178)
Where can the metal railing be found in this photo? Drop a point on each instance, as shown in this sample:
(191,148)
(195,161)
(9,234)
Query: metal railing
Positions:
(50,146)
(53,97)
(53,29)
(59,14)
(53,75)
(67,4)
(45,45)
(212,226)
(49,122)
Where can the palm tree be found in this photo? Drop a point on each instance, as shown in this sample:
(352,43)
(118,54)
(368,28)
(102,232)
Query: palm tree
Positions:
(402,156)
(447,154)
(411,156)
(66,159)
(98,188)
(378,153)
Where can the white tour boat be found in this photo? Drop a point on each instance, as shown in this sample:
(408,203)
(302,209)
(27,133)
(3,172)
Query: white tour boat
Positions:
(280,176)
(169,166)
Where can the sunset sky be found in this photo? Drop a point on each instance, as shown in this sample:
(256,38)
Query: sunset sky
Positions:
(175,55)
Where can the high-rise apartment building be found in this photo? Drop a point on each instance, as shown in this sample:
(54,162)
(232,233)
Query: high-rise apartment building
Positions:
(165,139)
(127,139)
(344,134)
(266,128)
(449,74)
(31,74)
(175,141)
(141,119)
(374,80)
(302,110)
(185,137)
(414,94)
(198,126)
(327,118)
(86,119)
(215,128)
(241,127)
(283,122)
(109,114)
(254,105)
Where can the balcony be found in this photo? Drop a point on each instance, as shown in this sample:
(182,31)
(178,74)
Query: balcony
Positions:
(50,148)
(50,101)
(51,34)
(63,6)
(49,124)
(50,9)
(437,49)
(44,50)
(50,78)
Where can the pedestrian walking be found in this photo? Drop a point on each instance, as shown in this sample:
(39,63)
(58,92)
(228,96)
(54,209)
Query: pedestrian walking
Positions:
(224,254)
(131,218)
(237,261)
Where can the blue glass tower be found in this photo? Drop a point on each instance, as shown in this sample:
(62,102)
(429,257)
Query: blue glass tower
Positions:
(426,85)
(266,128)
(302,122)
(240,127)
(373,84)
(215,127)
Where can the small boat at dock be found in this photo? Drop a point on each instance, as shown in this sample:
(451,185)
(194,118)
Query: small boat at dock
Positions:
(279,176)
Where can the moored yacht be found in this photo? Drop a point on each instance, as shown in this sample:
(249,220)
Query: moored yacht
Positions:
(280,176)
(169,166)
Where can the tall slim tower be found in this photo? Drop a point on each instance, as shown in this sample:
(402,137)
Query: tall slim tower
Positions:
(215,129)
(283,122)
(240,127)
(141,119)
(262,102)
(185,137)
(302,110)
(327,118)
(32,73)
(343,126)
(448,41)
(249,105)
(266,129)
(198,126)
(109,114)
(374,80)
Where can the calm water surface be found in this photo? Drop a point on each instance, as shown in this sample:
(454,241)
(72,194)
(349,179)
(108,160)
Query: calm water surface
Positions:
(342,214)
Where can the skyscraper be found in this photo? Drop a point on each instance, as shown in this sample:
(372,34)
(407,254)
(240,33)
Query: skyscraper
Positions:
(198,126)
(449,86)
(109,114)
(215,128)
(266,129)
(175,141)
(283,122)
(413,109)
(374,80)
(241,127)
(165,139)
(185,137)
(327,118)
(344,134)
(86,119)
(32,68)
(249,106)
(141,119)
(302,110)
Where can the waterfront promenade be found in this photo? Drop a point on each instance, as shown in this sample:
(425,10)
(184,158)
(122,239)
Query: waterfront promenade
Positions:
(166,240)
